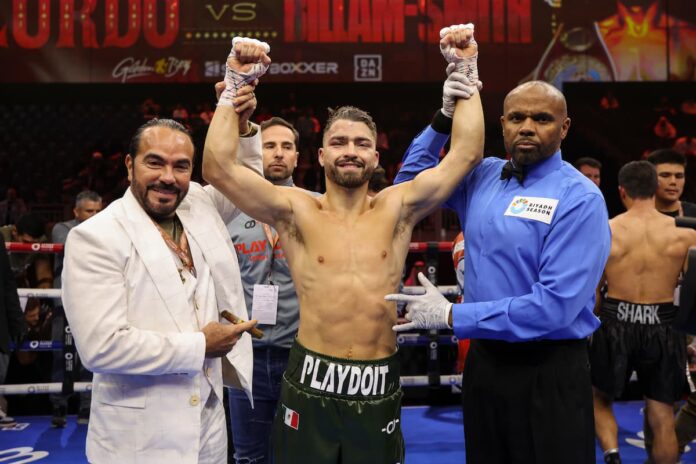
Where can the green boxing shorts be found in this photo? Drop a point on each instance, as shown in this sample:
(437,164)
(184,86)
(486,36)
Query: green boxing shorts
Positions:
(335,410)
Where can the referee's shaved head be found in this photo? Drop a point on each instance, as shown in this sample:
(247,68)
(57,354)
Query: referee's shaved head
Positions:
(551,91)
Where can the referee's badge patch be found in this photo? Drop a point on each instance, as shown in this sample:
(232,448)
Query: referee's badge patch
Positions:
(292,418)
(534,208)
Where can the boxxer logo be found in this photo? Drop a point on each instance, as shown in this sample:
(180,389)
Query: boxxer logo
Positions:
(304,67)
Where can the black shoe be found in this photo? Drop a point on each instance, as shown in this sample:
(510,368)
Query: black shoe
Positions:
(58,420)
(612,458)
(83,416)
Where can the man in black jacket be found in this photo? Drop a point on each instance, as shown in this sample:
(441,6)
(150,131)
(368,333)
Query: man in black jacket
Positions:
(12,324)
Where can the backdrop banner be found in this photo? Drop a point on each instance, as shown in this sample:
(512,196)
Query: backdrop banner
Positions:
(129,41)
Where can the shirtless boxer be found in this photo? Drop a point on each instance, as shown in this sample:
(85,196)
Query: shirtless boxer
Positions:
(647,254)
(340,398)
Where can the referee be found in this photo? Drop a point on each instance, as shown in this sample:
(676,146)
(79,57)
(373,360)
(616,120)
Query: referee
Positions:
(537,239)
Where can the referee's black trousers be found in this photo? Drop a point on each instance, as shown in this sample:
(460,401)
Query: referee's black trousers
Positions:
(528,403)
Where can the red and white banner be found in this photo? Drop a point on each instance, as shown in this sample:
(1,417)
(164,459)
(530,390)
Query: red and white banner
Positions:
(131,41)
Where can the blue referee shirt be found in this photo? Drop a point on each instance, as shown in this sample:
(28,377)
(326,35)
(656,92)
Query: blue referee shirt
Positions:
(534,252)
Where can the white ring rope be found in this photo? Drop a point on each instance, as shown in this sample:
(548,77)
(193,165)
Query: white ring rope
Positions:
(422,380)
(446,290)
(39,292)
(54,387)
(81,387)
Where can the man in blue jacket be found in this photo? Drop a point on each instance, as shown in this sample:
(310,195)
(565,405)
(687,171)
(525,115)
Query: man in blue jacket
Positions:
(537,240)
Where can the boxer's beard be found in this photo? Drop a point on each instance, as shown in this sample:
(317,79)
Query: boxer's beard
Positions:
(349,179)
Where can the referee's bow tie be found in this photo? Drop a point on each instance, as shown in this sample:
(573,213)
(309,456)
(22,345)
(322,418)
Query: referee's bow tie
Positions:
(510,170)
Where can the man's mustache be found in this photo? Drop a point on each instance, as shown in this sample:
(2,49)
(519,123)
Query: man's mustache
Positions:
(164,188)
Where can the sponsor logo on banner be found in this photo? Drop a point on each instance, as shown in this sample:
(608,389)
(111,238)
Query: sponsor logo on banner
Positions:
(304,67)
(217,68)
(292,418)
(535,208)
(214,68)
(367,67)
(131,68)
(235,11)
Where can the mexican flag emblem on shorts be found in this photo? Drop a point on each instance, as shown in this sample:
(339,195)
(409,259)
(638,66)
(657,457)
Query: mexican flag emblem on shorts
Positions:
(292,418)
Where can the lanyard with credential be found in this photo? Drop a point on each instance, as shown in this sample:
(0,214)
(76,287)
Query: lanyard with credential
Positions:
(181,249)
(273,238)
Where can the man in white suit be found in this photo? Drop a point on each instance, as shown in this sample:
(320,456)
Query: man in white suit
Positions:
(143,284)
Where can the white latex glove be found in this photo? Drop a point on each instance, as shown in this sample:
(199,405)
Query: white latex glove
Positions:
(456,86)
(248,60)
(458,46)
(427,311)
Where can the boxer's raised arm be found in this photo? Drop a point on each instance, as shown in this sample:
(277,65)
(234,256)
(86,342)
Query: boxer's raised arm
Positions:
(252,193)
(432,187)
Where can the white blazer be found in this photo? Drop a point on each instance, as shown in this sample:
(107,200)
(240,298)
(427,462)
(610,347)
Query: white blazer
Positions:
(132,324)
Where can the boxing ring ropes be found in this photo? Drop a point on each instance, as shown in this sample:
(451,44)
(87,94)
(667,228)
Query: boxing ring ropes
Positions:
(432,340)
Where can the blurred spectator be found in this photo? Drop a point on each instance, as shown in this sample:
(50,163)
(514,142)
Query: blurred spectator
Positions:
(206,113)
(686,145)
(31,270)
(688,106)
(11,208)
(664,129)
(378,181)
(458,260)
(382,141)
(412,279)
(87,204)
(12,325)
(32,366)
(262,114)
(671,177)
(149,109)
(590,168)
(458,254)
(180,113)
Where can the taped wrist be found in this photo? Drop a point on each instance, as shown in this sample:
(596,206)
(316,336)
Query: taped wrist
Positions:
(469,67)
(233,82)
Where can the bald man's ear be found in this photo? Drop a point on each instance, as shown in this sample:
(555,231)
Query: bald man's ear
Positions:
(565,127)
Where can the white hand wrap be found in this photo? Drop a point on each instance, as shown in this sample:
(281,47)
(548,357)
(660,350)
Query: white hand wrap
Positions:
(456,86)
(465,65)
(235,80)
(428,311)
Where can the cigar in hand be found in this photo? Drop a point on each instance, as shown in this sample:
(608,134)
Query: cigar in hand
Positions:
(256,333)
